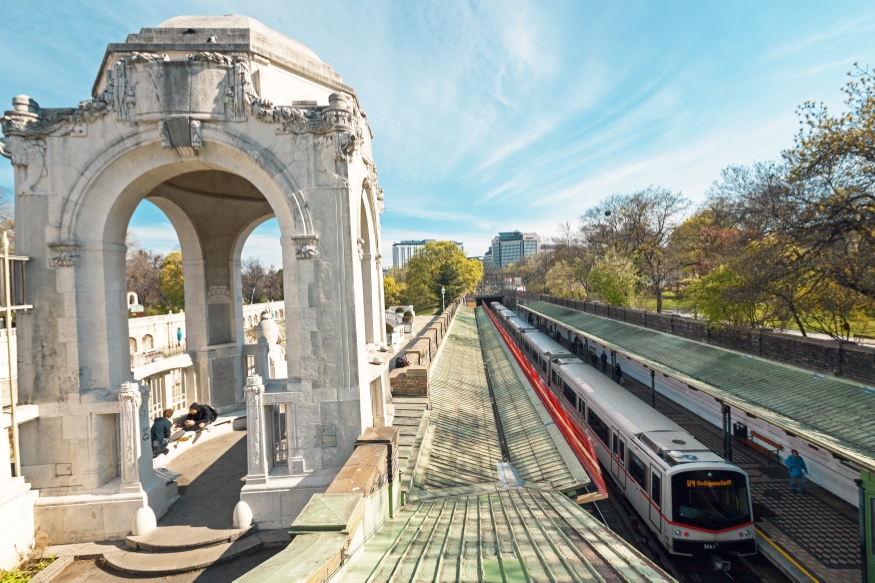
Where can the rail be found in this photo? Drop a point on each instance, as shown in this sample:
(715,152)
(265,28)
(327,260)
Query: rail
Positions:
(580,443)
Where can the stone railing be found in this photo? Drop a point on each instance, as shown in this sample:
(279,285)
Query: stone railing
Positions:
(413,380)
(836,356)
(334,525)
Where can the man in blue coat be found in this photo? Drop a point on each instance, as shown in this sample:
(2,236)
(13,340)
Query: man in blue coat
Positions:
(798,470)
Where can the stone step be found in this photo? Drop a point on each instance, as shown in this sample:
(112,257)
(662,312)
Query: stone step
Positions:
(171,539)
(162,564)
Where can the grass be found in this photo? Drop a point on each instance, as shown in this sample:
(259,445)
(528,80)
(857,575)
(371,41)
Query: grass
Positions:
(669,302)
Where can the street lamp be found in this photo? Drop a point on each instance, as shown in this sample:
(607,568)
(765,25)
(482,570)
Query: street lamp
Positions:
(443,291)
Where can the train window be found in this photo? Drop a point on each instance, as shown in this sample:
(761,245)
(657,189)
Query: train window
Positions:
(656,489)
(570,395)
(553,376)
(710,498)
(638,470)
(621,453)
(581,407)
(544,365)
(598,426)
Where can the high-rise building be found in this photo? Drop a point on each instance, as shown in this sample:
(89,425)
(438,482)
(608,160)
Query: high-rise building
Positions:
(509,247)
(404,250)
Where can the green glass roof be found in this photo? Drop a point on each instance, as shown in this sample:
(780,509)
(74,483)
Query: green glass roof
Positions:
(830,412)
(506,535)
(532,450)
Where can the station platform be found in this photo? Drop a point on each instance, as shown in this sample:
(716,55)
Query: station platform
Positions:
(810,537)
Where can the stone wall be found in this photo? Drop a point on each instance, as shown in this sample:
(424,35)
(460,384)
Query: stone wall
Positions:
(843,358)
(413,380)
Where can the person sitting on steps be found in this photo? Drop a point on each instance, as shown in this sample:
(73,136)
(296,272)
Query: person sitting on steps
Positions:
(161,430)
(199,416)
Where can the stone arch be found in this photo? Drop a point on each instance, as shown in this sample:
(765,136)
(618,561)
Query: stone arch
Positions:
(98,208)
(132,343)
(108,172)
(148,342)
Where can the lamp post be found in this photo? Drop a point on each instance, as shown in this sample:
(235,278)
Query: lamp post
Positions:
(443,291)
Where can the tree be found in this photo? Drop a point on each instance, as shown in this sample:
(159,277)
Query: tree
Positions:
(393,291)
(566,280)
(441,264)
(833,166)
(7,216)
(171,281)
(252,276)
(717,297)
(615,279)
(639,226)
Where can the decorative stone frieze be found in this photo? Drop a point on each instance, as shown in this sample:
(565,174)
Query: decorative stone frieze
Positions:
(131,399)
(257,447)
(63,254)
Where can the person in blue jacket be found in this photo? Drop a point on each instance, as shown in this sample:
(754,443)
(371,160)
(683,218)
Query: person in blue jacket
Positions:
(798,470)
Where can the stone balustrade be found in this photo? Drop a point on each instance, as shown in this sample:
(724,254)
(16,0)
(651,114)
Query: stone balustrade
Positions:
(413,380)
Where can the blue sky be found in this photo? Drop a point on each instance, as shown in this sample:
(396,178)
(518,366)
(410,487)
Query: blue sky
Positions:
(505,115)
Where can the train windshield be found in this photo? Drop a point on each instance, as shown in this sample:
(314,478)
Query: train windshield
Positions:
(711,499)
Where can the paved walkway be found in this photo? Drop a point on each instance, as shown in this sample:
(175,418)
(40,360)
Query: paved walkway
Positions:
(818,530)
(213,474)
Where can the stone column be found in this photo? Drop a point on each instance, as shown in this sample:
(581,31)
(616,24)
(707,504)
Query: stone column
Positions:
(255,438)
(131,400)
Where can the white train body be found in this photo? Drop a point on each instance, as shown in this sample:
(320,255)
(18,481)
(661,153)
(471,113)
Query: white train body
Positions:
(692,498)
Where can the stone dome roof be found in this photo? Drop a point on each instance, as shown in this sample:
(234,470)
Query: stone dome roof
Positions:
(237,21)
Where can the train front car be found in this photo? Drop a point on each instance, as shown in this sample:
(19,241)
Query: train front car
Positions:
(710,510)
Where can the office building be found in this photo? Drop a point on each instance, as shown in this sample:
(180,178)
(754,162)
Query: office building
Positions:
(404,250)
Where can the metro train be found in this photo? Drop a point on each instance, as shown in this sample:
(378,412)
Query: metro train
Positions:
(693,499)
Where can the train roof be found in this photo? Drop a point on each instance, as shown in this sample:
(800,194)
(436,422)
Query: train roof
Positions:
(519,323)
(545,345)
(635,417)
(497,306)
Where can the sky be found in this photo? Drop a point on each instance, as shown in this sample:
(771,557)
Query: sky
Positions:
(505,115)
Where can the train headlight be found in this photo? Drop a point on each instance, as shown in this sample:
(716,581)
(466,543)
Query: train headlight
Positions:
(686,533)
(677,532)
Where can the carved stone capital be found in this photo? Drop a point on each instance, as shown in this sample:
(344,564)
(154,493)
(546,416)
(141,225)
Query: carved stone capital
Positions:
(63,254)
(254,385)
(305,246)
(219,291)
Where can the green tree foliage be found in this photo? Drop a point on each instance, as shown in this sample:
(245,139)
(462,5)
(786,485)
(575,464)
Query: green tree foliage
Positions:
(394,292)
(615,279)
(441,264)
(566,280)
(172,282)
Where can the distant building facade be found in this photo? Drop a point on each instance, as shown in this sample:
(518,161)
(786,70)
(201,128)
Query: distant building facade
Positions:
(404,250)
(510,247)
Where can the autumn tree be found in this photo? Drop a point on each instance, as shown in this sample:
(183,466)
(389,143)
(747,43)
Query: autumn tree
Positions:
(441,264)
(171,281)
(393,292)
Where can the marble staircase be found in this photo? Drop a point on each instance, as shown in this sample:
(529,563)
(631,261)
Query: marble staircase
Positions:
(169,550)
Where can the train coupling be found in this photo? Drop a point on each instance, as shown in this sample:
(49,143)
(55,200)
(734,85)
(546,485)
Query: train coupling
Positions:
(721,565)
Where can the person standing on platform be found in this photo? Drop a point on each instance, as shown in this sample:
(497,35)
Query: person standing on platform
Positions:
(798,470)
(604,359)
(618,373)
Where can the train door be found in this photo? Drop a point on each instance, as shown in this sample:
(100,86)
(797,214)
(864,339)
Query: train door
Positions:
(618,457)
(656,498)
